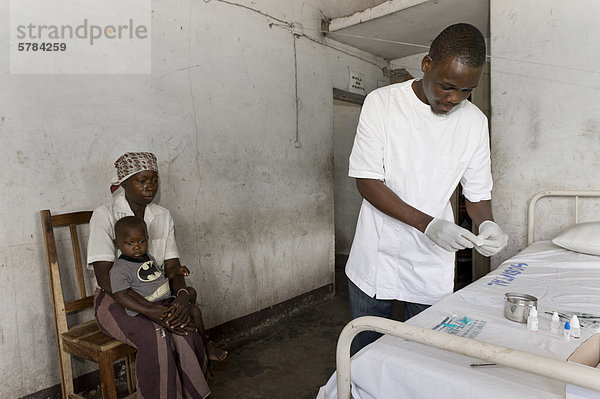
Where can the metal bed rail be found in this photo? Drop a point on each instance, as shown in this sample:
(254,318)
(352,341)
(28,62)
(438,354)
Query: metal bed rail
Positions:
(554,193)
(572,373)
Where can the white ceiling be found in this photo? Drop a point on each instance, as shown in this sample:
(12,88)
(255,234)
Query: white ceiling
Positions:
(399,28)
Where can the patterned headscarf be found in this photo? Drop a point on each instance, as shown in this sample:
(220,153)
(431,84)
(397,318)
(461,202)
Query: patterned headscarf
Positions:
(131,163)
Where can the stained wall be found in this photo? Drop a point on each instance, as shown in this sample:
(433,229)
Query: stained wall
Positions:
(249,180)
(545,90)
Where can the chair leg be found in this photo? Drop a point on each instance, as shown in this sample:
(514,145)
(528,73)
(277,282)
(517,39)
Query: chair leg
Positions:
(107,377)
(130,368)
(66,373)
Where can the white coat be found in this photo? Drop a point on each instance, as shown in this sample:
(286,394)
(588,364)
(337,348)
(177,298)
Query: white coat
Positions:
(422,157)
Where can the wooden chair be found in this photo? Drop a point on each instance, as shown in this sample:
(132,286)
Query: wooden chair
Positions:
(83,340)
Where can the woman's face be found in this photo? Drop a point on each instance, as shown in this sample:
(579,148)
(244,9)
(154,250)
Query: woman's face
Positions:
(141,188)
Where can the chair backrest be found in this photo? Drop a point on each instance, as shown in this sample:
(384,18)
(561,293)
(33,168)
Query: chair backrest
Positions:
(82,339)
(83,301)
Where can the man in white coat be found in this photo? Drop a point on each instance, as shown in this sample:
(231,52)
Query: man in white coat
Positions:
(415,142)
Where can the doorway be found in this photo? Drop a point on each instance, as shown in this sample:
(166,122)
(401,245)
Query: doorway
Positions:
(347,200)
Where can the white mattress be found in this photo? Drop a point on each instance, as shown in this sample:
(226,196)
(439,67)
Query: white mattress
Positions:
(561,280)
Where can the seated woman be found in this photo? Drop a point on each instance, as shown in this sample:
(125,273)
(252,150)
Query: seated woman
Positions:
(171,360)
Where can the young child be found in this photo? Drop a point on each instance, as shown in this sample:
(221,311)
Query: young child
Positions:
(137,270)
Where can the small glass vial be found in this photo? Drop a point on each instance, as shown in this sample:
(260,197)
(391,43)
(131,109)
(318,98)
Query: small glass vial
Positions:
(575,328)
(567,331)
(555,324)
(532,320)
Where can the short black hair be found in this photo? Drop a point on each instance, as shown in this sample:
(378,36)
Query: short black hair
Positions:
(459,40)
(128,222)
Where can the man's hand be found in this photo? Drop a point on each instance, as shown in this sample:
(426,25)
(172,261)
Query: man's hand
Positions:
(493,238)
(450,236)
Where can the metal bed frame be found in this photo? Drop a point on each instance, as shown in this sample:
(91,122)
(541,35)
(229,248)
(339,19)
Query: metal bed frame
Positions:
(554,193)
(572,373)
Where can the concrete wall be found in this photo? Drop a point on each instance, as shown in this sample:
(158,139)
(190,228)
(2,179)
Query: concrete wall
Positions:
(412,64)
(545,107)
(254,214)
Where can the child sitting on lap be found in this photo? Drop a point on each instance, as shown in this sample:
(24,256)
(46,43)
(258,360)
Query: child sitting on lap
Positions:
(137,270)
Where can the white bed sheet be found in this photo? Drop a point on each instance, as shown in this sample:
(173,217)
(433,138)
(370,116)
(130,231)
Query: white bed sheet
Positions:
(561,280)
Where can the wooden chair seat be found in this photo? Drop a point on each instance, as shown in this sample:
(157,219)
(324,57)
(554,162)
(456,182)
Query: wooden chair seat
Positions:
(83,340)
(88,342)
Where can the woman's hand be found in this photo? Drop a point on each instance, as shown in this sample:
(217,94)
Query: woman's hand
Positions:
(179,316)
(156,313)
(190,328)
(159,313)
(132,300)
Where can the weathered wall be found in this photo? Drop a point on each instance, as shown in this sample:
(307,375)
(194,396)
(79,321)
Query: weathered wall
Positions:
(411,63)
(545,105)
(254,214)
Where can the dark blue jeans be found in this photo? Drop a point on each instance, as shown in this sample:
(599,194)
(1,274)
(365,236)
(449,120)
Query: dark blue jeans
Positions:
(363,305)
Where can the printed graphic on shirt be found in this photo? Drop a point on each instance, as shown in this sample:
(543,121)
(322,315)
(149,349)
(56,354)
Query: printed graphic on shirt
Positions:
(148,272)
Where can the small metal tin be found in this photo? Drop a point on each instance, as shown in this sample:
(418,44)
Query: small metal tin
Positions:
(517,306)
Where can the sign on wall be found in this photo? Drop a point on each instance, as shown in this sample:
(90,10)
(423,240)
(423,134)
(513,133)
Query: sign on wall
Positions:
(357,83)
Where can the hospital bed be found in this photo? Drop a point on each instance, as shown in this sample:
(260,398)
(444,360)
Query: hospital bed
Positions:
(484,354)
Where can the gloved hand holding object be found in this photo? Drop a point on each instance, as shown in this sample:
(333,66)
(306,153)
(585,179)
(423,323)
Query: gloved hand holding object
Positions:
(450,236)
(493,237)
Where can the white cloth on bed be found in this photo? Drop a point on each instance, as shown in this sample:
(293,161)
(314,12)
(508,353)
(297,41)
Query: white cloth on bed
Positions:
(561,280)
(420,156)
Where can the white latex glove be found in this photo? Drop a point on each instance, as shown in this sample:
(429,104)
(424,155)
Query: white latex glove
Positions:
(493,237)
(450,236)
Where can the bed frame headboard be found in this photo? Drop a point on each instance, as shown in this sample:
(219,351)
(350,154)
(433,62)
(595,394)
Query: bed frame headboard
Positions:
(575,194)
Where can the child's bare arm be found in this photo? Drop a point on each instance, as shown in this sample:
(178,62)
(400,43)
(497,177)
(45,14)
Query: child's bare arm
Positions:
(149,309)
